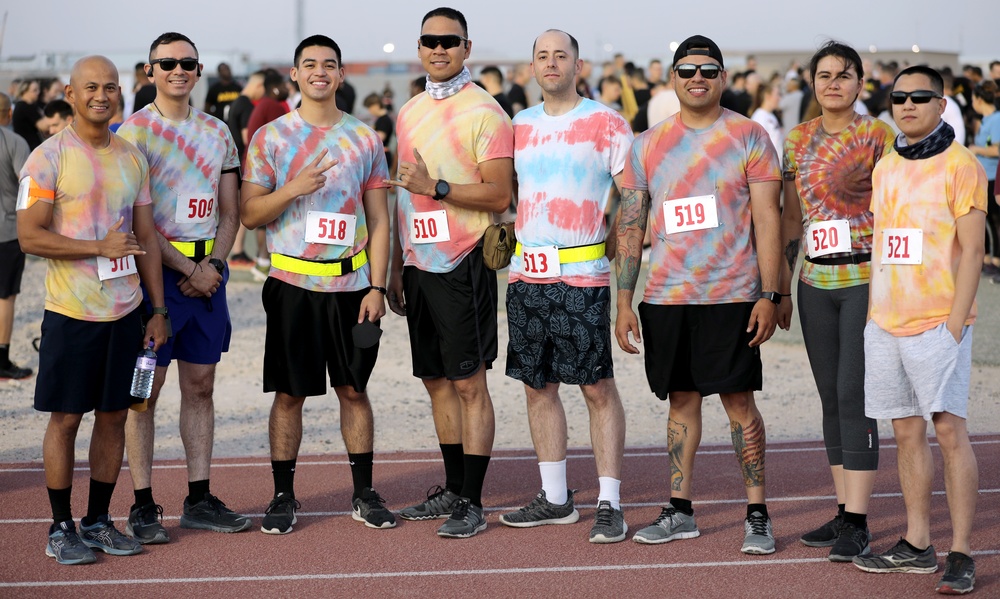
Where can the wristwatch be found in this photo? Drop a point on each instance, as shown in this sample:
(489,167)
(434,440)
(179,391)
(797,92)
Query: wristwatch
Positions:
(217,264)
(441,189)
(162,310)
(774,296)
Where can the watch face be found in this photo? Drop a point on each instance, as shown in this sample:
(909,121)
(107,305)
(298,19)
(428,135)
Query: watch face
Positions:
(442,188)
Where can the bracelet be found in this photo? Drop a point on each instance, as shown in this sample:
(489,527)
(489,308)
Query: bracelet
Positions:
(785,294)
(196,265)
(381,290)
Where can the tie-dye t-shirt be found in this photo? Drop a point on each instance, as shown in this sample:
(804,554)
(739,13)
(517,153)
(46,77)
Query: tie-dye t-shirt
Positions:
(565,166)
(186,161)
(833,178)
(277,154)
(930,195)
(89,190)
(673,162)
(453,136)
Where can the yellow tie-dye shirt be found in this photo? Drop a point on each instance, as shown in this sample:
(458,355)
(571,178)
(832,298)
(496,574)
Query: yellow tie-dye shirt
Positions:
(89,190)
(930,195)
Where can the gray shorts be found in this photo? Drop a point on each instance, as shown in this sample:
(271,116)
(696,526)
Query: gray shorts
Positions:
(918,375)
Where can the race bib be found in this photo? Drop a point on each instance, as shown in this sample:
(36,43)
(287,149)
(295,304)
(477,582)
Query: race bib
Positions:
(429,227)
(331,228)
(690,214)
(540,262)
(194,208)
(112,268)
(828,237)
(902,246)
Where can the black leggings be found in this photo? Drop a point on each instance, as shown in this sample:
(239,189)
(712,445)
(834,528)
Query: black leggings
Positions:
(833,323)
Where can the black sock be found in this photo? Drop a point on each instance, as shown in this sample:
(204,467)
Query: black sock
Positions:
(143,497)
(914,548)
(99,501)
(682,505)
(454,466)
(197,490)
(475,476)
(284,476)
(59,500)
(757,507)
(841,509)
(859,520)
(361,471)
(4,355)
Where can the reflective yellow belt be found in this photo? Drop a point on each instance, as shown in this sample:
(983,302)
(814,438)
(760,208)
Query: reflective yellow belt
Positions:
(582,253)
(319,269)
(194,249)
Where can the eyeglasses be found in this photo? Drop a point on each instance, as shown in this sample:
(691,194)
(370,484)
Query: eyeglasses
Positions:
(687,71)
(920,96)
(169,64)
(445,41)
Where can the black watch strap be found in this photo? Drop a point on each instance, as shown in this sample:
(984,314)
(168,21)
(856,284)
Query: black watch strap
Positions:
(774,296)
(217,264)
(161,310)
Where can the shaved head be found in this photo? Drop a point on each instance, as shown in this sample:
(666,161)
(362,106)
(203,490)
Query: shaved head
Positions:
(88,62)
(93,91)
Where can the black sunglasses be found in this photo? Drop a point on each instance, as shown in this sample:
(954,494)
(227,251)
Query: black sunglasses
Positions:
(169,64)
(687,71)
(445,41)
(920,96)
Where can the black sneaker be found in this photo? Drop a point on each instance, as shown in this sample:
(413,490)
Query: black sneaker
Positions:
(824,536)
(280,515)
(959,575)
(370,509)
(67,547)
(609,524)
(851,542)
(466,520)
(13,371)
(144,525)
(900,559)
(103,536)
(211,514)
(542,511)
(440,503)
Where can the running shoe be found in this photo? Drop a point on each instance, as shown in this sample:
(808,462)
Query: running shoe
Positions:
(900,559)
(959,575)
(851,542)
(103,536)
(240,260)
(440,503)
(144,524)
(370,509)
(211,514)
(259,272)
(280,515)
(758,536)
(67,547)
(670,525)
(466,521)
(609,524)
(824,536)
(541,511)
(14,372)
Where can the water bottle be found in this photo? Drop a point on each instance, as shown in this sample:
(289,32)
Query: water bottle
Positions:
(142,378)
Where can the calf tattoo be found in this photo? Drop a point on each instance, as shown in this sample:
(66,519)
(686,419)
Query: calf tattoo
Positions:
(749,444)
(676,439)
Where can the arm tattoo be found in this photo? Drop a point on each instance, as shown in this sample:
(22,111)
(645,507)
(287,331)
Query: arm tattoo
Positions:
(676,438)
(631,229)
(792,253)
(749,444)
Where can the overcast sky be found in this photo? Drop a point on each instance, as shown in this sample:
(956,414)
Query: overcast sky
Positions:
(504,29)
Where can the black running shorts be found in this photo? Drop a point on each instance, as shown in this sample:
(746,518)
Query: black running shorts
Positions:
(11,268)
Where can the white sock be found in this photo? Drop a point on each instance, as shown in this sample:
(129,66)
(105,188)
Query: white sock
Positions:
(554,481)
(263,262)
(610,488)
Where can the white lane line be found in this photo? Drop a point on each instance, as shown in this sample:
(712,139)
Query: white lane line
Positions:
(742,500)
(339,461)
(757,563)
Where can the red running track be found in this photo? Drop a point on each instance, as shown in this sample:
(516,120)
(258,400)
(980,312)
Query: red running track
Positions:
(331,555)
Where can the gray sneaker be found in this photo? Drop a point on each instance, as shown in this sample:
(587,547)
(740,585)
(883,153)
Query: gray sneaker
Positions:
(103,536)
(67,547)
(541,511)
(211,514)
(758,537)
(466,521)
(440,503)
(609,524)
(671,525)
(900,559)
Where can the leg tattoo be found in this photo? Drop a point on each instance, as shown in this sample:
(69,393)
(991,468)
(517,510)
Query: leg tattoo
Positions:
(676,437)
(749,444)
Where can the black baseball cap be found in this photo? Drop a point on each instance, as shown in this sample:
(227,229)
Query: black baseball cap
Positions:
(699,45)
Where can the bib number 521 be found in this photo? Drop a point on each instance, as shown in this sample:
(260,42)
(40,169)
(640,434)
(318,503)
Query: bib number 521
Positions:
(902,246)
